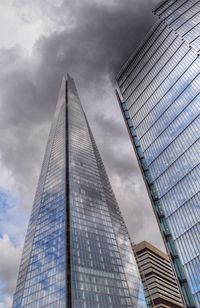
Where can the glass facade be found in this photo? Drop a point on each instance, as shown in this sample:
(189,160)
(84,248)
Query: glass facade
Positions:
(160,90)
(77,251)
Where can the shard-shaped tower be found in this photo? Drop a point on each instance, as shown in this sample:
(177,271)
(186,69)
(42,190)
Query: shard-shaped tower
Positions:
(77,251)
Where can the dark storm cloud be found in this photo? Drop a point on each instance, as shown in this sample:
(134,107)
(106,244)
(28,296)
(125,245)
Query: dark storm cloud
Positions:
(101,38)
(90,40)
(95,42)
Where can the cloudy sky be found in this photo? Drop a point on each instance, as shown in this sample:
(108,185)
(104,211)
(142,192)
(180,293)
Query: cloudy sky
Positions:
(41,41)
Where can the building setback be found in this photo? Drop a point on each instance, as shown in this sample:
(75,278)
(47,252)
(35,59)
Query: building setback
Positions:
(160,284)
(160,100)
(77,252)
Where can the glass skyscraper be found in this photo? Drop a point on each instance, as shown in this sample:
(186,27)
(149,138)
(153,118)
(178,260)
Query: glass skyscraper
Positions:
(77,252)
(160,101)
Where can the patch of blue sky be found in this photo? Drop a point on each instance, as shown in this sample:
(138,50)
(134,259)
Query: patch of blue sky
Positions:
(2,293)
(12,219)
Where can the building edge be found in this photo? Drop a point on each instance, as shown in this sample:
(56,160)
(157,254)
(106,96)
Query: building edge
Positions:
(67,205)
(158,211)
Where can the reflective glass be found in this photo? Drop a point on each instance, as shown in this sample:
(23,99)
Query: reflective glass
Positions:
(77,251)
(183,17)
(162,95)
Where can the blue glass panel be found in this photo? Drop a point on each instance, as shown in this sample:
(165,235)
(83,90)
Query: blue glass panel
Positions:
(161,87)
(77,251)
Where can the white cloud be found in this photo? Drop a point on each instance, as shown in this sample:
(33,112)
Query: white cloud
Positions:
(9,261)
(7,302)
(13,31)
(6,178)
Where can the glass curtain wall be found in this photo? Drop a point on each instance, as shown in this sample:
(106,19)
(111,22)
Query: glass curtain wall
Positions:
(104,271)
(160,88)
(41,280)
(77,250)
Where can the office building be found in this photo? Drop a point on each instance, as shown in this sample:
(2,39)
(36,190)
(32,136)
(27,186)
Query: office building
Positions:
(77,252)
(160,101)
(160,284)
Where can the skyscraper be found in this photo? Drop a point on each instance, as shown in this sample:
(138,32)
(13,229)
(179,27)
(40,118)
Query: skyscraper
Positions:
(77,251)
(160,88)
(160,284)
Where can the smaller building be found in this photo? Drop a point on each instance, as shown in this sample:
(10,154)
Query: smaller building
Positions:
(160,284)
